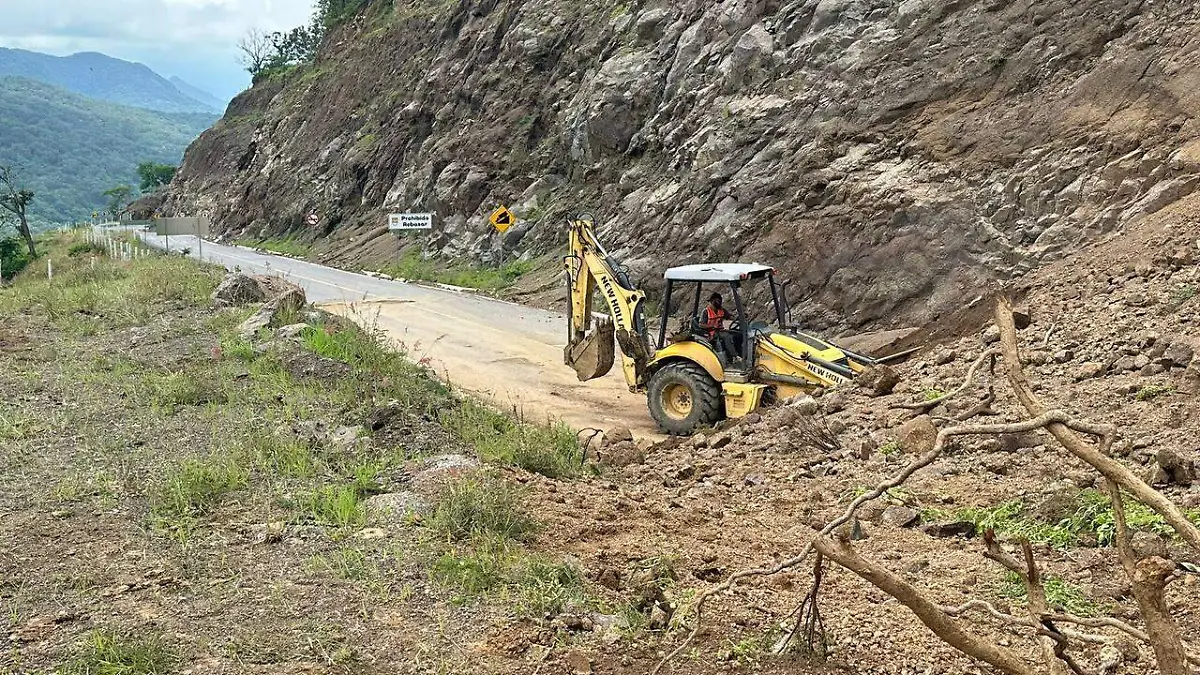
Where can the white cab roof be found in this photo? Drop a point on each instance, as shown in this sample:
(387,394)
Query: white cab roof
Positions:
(716,272)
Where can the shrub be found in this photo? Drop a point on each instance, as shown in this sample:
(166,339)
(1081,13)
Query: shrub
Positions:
(84,248)
(480,506)
(13,257)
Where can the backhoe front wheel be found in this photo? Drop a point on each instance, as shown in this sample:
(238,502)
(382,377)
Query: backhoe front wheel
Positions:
(683,397)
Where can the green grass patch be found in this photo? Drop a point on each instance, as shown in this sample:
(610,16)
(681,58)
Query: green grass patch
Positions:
(1092,520)
(281,457)
(337,505)
(494,567)
(351,564)
(1153,391)
(109,652)
(477,569)
(79,486)
(350,345)
(171,390)
(1059,595)
(194,489)
(891,448)
(90,294)
(1181,296)
(552,450)
(18,427)
(549,449)
(545,587)
(415,267)
(480,506)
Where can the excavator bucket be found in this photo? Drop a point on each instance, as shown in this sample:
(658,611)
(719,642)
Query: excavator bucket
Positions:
(592,356)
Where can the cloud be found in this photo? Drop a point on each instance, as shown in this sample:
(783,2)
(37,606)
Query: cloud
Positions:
(171,36)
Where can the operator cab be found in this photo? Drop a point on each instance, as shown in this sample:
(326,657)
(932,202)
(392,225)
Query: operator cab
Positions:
(732,282)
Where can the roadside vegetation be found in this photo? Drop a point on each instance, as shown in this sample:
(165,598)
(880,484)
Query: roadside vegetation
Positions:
(193,437)
(414,267)
(288,247)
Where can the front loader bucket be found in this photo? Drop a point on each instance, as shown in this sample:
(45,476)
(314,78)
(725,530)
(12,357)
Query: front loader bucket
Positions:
(592,356)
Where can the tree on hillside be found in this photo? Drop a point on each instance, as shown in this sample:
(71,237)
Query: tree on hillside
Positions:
(299,45)
(331,13)
(155,175)
(15,198)
(256,50)
(119,198)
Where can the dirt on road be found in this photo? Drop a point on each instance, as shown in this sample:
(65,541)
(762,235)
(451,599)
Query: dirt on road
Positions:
(515,361)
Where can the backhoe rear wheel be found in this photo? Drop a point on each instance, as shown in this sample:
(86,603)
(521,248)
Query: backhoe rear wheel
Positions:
(683,397)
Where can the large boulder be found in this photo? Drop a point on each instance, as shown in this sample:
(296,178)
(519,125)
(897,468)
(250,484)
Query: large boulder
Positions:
(274,313)
(239,289)
(878,381)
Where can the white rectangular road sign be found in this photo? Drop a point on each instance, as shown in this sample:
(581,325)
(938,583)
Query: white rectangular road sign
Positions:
(410,221)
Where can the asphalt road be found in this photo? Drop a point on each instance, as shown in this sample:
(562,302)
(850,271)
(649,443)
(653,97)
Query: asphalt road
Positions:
(508,353)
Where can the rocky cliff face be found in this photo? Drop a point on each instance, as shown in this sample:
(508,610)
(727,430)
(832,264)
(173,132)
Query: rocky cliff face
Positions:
(893,158)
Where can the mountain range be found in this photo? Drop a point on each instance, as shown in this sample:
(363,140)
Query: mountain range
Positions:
(70,148)
(108,79)
(78,125)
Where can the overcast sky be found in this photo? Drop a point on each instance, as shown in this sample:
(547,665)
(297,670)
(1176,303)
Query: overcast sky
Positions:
(193,39)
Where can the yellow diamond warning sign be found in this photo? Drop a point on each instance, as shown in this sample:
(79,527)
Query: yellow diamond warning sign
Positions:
(503,219)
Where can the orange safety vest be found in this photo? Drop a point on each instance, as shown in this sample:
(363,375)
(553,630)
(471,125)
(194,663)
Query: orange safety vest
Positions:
(714,320)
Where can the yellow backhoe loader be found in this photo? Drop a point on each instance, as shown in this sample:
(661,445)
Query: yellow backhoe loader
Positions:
(689,380)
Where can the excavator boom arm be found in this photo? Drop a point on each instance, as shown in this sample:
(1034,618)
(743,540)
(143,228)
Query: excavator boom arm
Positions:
(589,268)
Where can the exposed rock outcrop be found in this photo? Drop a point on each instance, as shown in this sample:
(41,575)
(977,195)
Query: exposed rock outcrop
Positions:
(892,158)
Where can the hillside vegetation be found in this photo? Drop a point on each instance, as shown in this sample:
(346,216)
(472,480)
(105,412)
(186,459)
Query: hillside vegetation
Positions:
(70,148)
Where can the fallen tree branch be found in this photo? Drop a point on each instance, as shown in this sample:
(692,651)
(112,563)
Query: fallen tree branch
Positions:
(925,406)
(1107,466)
(1148,580)
(1053,416)
(1053,651)
(984,407)
(943,625)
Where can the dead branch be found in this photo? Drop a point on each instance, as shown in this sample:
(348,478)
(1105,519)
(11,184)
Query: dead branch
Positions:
(1148,580)
(944,626)
(1049,333)
(984,407)
(944,435)
(812,432)
(1053,651)
(925,406)
(990,610)
(809,619)
(1108,467)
